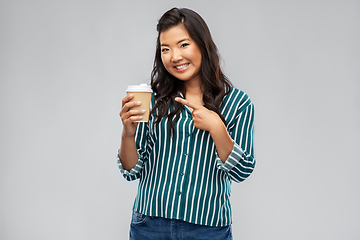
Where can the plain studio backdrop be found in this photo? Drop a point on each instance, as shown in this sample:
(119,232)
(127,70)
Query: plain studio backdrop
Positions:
(64,68)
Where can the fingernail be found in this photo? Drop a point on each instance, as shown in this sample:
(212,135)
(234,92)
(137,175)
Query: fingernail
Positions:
(138,102)
(141,117)
(143,110)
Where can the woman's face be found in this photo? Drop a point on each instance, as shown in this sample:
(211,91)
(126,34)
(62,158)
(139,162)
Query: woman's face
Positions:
(180,55)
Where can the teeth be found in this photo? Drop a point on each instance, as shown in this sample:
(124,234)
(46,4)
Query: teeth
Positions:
(182,66)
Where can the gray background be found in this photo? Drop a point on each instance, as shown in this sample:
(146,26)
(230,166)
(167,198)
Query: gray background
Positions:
(64,67)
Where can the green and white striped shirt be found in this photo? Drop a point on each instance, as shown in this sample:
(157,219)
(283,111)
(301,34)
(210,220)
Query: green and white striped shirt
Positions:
(183,177)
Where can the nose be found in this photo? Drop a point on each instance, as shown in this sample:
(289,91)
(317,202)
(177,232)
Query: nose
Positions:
(176,55)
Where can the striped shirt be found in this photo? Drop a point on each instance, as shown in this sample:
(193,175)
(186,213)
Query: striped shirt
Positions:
(183,177)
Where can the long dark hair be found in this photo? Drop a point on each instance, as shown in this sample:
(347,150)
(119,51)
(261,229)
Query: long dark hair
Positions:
(166,87)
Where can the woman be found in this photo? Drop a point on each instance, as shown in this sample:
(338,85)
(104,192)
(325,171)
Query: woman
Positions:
(199,138)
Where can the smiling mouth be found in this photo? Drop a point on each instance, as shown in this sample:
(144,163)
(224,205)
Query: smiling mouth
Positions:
(182,67)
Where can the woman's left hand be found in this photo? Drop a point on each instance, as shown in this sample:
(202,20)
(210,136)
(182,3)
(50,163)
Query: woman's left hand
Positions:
(210,121)
(203,118)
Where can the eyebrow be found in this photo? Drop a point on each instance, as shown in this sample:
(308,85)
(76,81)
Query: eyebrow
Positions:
(166,45)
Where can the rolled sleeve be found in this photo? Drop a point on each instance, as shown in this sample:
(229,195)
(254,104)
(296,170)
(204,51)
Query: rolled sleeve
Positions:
(143,147)
(133,173)
(238,165)
(241,161)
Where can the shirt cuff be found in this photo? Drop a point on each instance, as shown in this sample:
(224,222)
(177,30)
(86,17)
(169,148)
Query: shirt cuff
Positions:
(132,172)
(233,159)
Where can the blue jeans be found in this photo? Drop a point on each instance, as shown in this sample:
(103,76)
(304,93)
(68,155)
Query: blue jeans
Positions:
(156,228)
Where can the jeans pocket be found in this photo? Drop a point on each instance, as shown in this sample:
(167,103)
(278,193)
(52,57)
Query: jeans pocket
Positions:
(138,219)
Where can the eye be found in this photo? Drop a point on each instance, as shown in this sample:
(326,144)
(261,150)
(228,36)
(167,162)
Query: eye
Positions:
(164,50)
(184,45)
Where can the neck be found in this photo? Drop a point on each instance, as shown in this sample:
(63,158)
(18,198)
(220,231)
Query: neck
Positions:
(193,87)
(194,92)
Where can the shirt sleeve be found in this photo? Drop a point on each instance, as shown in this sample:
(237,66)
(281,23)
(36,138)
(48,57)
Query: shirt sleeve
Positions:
(143,149)
(241,161)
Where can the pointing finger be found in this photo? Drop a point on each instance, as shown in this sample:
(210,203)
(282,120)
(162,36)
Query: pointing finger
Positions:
(187,103)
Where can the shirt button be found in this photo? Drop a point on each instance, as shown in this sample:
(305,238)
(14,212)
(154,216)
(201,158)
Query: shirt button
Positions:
(179,192)
(182,174)
(185,154)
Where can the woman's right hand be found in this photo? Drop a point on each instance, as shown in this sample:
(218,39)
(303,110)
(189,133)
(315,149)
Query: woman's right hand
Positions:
(129,116)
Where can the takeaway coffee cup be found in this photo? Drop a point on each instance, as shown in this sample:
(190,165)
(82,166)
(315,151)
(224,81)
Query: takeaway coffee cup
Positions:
(141,93)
